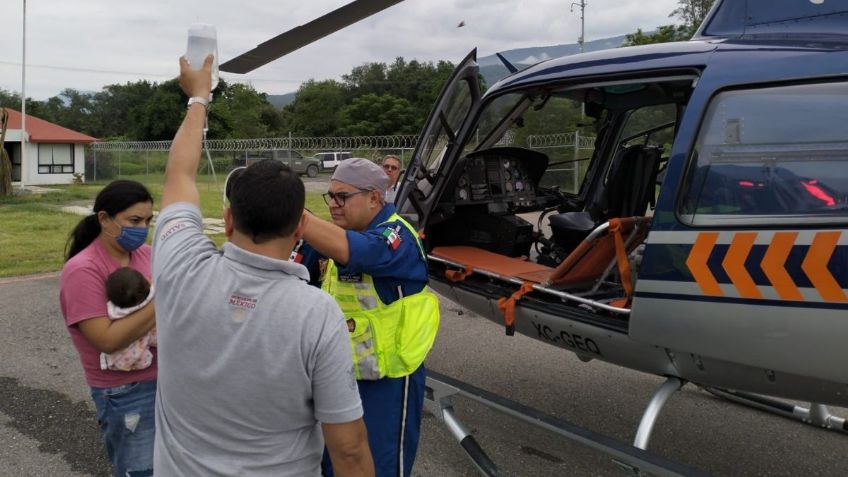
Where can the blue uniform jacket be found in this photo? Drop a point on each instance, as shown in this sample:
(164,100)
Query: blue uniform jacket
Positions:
(371,252)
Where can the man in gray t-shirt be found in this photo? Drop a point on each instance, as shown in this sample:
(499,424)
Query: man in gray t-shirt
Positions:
(253,362)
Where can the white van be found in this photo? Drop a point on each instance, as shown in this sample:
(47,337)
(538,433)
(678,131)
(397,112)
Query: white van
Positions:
(329,160)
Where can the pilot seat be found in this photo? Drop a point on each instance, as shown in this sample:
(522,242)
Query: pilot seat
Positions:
(627,192)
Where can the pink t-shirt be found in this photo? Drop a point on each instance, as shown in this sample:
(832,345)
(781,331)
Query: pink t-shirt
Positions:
(82,296)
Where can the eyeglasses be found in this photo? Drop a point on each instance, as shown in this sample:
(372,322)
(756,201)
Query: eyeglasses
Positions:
(340,197)
(390,167)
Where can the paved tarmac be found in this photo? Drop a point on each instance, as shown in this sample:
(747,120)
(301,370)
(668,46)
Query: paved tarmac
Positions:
(47,425)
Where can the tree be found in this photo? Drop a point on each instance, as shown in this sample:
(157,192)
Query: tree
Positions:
(241,112)
(116,106)
(663,34)
(374,98)
(416,82)
(692,12)
(49,110)
(315,110)
(158,118)
(419,83)
(77,113)
(10,99)
(366,79)
(378,115)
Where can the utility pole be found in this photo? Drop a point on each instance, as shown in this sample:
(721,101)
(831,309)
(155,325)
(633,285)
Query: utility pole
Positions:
(582,38)
(581,42)
(24,136)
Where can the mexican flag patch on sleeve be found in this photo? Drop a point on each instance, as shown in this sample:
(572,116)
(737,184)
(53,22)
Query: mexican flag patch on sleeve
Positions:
(392,236)
(296,256)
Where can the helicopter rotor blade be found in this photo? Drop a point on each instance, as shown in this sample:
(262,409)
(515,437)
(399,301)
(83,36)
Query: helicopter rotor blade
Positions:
(303,35)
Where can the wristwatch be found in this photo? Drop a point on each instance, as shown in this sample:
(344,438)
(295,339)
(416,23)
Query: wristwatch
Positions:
(198,99)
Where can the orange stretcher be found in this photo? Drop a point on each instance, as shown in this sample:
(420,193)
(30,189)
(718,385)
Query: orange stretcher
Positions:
(587,267)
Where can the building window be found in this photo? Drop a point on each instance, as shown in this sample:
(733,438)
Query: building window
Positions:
(771,154)
(55,158)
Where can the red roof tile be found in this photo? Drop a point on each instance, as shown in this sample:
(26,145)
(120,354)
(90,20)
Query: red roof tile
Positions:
(43,131)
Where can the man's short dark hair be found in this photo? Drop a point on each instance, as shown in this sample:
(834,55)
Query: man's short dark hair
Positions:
(126,287)
(267,201)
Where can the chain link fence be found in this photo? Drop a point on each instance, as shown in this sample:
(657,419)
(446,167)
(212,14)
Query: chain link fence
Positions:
(119,159)
(568,155)
(105,161)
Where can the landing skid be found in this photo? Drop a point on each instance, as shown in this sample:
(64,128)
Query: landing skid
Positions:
(816,415)
(634,460)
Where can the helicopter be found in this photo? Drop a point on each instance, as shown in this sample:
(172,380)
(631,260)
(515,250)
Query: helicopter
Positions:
(703,239)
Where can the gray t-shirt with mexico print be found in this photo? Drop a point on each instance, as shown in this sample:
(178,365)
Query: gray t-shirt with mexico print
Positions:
(251,358)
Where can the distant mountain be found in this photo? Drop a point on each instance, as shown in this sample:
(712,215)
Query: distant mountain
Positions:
(281,100)
(493,70)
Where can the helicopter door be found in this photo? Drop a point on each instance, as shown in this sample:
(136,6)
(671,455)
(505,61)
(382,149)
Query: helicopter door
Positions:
(751,265)
(440,141)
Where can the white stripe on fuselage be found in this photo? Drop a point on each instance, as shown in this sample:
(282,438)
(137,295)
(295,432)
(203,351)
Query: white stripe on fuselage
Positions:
(728,290)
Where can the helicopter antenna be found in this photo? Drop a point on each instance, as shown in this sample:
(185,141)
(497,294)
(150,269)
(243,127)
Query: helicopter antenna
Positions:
(582,38)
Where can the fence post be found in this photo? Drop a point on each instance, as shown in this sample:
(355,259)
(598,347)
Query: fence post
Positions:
(95,164)
(576,162)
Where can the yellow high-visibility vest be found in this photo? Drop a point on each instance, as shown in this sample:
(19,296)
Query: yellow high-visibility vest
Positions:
(386,340)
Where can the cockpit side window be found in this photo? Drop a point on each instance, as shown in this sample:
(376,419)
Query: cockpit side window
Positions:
(651,126)
(557,127)
(771,152)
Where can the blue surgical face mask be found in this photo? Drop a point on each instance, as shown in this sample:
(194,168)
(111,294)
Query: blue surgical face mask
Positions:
(132,237)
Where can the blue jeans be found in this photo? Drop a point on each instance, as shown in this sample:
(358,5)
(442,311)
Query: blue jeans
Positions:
(126,417)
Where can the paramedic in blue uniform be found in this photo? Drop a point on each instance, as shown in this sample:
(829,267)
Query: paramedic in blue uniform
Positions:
(370,247)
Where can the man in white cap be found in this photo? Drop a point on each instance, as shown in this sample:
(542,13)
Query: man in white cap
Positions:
(377,272)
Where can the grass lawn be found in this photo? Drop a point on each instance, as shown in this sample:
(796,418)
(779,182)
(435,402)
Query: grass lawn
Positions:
(34,231)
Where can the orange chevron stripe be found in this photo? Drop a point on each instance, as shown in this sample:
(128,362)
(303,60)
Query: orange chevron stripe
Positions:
(697,263)
(774,262)
(815,266)
(734,264)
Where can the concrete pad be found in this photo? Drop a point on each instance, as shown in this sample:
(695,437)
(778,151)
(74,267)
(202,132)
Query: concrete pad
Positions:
(210,225)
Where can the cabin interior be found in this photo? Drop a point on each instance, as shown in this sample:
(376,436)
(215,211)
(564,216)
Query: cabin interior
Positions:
(553,193)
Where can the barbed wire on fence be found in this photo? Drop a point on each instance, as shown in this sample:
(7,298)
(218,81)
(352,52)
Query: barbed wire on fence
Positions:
(560,140)
(260,144)
(407,141)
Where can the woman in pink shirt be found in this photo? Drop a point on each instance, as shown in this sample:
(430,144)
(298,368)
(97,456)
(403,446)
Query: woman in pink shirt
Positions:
(111,238)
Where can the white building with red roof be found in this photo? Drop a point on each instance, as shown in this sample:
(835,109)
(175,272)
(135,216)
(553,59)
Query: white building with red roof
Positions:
(53,153)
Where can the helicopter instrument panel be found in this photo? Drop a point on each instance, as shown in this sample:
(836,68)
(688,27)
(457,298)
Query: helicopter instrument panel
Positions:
(500,175)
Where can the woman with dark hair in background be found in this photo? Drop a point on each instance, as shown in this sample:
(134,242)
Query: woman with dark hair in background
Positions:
(113,237)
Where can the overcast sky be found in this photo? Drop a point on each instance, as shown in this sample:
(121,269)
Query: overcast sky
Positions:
(87,44)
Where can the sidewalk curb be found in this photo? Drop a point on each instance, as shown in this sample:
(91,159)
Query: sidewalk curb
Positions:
(29,278)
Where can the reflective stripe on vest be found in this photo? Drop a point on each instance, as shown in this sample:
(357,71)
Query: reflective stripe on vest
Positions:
(386,340)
